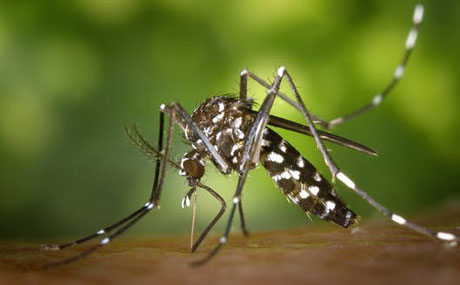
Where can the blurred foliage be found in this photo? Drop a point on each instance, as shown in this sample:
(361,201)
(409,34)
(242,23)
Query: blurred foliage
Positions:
(72,73)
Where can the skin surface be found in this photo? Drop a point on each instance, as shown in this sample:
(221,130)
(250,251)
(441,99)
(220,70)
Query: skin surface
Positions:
(376,252)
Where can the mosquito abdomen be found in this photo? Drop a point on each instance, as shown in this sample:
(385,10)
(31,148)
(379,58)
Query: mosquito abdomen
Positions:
(301,182)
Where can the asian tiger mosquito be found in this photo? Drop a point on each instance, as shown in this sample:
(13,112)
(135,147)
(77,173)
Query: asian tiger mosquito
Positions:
(236,138)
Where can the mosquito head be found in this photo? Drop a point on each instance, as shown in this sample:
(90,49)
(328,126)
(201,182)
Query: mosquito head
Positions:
(193,169)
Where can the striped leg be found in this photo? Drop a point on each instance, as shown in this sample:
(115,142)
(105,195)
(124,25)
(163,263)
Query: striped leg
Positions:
(99,233)
(444,236)
(102,242)
(377,100)
(119,223)
(350,184)
(398,73)
(130,220)
(418,15)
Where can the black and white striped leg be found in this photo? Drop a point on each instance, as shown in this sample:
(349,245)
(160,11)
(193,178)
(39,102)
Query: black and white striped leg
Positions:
(398,73)
(335,171)
(99,233)
(293,126)
(117,224)
(250,157)
(409,45)
(444,236)
(103,242)
(130,220)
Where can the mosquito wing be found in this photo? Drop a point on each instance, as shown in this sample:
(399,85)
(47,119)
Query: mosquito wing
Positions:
(299,128)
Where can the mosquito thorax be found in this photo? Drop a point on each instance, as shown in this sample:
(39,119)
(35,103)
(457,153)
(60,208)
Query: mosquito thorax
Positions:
(225,121)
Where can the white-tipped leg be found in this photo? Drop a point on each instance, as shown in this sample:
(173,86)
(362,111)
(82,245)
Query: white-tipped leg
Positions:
(105,241)
(397,75)
(398,219)
(185,202)
(377,99)
(52,247)
(399,71)
(411,38)
(418,14)
(444,236)
(347,181)
(281,71)
(244,84)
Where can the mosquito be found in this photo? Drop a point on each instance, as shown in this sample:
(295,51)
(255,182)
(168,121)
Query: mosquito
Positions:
(235,138)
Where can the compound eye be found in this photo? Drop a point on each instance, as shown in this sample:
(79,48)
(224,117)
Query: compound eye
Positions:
(193,169)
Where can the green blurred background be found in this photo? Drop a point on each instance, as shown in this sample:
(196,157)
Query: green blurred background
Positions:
(72,74)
